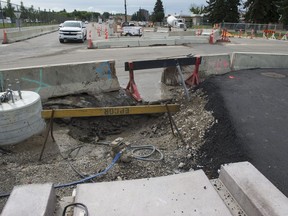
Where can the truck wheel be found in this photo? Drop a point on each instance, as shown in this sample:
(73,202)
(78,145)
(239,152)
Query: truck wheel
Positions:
(61,40)
(128,35)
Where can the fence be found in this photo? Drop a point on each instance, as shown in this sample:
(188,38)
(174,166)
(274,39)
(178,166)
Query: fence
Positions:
(247,27)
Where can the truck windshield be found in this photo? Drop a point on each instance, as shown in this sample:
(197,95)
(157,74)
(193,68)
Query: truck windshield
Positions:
(72,24)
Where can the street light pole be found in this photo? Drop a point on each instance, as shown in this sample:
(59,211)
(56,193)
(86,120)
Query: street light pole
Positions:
(125,10)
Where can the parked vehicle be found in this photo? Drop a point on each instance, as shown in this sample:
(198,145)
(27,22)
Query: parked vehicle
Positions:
(60,25)
(132,31)
(73,30)
(176,23)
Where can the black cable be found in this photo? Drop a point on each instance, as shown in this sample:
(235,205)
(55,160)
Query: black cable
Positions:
(77,205)
(4,195)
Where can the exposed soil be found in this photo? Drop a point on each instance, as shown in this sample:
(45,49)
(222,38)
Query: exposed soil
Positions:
(81,143)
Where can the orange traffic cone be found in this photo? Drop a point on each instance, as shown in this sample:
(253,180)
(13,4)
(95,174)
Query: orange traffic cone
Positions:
(106,34)
(4,37)
(211,38)
(90,43)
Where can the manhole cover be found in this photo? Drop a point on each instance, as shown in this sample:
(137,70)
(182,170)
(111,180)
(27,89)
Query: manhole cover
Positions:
(273,75)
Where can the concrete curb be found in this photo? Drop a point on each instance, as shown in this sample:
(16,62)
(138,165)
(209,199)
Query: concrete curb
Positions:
(254,193)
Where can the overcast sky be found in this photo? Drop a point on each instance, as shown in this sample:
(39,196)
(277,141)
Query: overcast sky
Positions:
(112,6)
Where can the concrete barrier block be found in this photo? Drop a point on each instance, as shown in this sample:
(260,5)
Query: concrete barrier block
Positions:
(253,191)
(116,43)
(215,64)
(241,60)
(157,42)
(29,32)
(64,79)
(32,200)
(182,33)
(192,40)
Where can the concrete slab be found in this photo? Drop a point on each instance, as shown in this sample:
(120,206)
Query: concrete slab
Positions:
(254,193)
(188,193)
(32,200)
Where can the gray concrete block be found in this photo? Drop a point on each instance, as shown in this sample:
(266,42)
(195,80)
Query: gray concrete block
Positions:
(157,42)
(253,191)
(26,33)
(64,79)
(192,40)
(31,200)
(183,194)
(241,60)
(215,64)
(116,43)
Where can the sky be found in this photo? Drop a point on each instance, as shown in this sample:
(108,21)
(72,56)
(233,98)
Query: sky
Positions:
(112,6)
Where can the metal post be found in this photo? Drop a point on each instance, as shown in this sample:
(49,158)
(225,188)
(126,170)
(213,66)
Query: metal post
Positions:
(182,80)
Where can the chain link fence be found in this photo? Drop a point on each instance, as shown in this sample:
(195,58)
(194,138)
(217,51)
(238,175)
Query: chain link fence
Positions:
(13,15)
(258,28)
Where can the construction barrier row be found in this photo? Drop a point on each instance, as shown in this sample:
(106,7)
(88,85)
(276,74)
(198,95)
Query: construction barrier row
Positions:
(63,79)
(26,33)
(98,77)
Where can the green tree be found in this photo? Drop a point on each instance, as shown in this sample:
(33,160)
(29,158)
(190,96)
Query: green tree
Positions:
(24,11)
(223,11)
(232,12)
(195,9)
(261,11)
(283,11)
(9,10)
(138,16)
(158,12)
(105,15)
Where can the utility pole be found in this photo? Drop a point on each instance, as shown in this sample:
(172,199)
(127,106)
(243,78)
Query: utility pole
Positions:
(2,16)
(125,10)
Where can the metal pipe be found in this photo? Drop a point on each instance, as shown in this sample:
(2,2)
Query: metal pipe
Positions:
(182,80)
(18,87)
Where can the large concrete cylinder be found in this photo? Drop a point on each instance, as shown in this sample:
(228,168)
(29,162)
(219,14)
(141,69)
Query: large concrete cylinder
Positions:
(20,119)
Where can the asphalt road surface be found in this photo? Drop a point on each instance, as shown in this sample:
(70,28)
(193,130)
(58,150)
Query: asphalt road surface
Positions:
(256,104)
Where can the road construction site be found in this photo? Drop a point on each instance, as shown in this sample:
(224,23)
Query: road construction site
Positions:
(233,110)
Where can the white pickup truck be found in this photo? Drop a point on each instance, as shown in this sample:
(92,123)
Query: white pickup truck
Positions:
(132,31)
(72,30)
